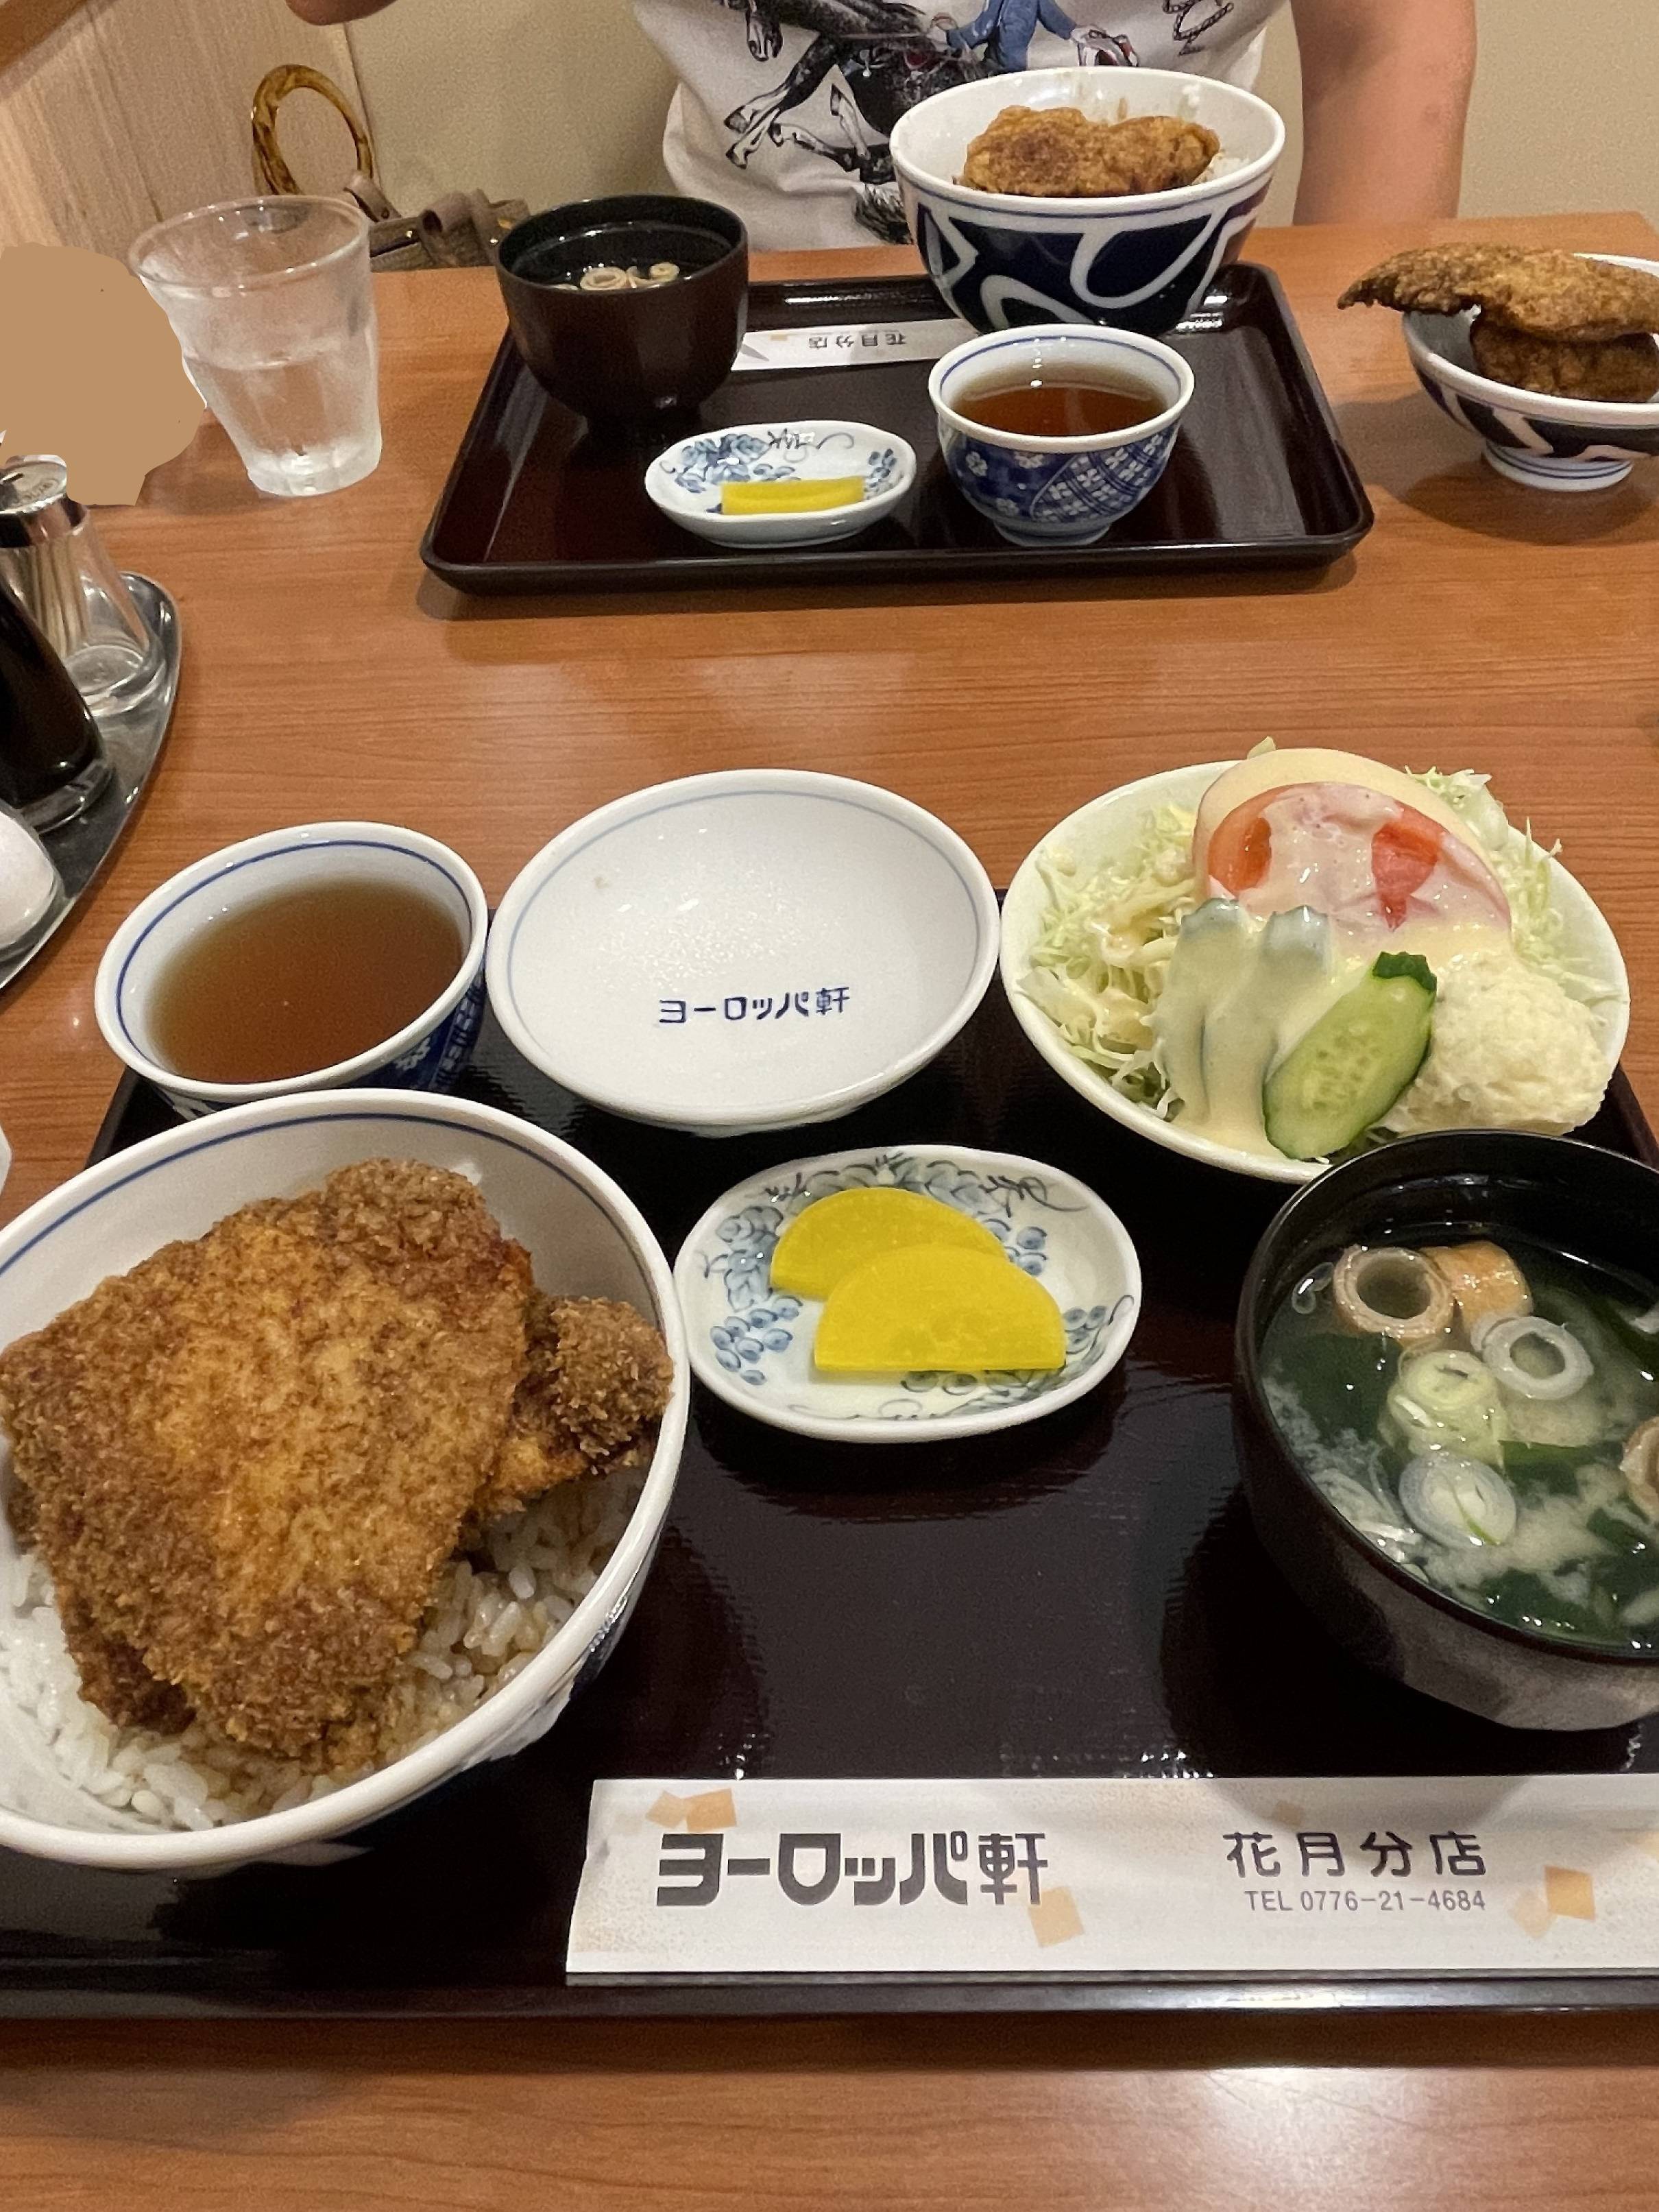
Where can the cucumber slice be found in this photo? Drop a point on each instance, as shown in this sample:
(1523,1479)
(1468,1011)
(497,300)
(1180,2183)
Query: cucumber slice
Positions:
(1354,1063)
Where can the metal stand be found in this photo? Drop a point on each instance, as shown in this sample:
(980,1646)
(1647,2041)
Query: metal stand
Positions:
(133,741)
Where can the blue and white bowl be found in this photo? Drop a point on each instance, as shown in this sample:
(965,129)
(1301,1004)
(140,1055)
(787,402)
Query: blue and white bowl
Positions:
(427,1053)
(1057,491)
(684,481)
(1552,445)
(1137,262)
(753,1347)
(585,1238)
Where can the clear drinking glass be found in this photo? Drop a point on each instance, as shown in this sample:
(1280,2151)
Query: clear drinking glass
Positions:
(271,301)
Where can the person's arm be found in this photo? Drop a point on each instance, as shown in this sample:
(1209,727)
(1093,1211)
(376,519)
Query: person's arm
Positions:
(336,11)
(1385,90)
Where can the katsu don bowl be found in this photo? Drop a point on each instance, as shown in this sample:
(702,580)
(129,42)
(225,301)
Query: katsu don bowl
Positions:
(1137,261)
(526,1585)
(1547,442)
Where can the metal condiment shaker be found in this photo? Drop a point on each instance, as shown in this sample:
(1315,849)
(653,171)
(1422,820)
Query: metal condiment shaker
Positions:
(55,567)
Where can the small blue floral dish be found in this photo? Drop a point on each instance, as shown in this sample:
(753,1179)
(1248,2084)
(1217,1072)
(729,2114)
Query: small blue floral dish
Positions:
(684,481)
(753,1347)
(1136,261)
(1057,491)
(1533,439)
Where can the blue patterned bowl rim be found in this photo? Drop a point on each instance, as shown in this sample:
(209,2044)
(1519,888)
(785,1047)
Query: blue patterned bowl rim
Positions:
(1541,406)
(1088,336)
(1018,89)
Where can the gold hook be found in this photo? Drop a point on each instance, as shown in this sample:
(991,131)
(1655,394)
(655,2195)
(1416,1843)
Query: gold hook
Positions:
(270,171)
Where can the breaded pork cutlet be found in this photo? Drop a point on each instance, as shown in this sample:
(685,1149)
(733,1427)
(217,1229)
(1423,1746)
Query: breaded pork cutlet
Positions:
(1057,153)
(1540,290)
(596,1375)
(1623,370)
(247,1458)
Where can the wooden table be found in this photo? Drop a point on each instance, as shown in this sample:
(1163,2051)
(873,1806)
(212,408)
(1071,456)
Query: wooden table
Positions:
(326,676)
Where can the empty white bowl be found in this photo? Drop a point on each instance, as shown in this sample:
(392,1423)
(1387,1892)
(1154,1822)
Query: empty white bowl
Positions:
(1546,443)
(585,1237)
(685,481)
(1108,828)
(427,1053)
(743,951)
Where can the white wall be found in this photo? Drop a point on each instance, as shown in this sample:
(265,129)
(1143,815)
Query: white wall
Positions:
(550,99)
(1565,113)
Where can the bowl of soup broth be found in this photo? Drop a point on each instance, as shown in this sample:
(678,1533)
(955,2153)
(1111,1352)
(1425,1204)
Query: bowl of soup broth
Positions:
(336,953)
(1054,435)
(1447,1414)
(629,307)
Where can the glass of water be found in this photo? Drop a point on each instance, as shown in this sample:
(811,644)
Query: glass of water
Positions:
(269,300)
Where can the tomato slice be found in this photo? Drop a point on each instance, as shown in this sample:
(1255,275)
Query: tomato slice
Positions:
(1405,854)
(1242,849)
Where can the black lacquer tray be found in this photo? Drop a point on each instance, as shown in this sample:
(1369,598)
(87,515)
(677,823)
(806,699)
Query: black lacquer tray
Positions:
(1258,478)
(1081,1596)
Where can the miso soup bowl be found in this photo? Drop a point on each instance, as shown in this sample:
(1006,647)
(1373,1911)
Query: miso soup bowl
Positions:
(627,354)
(1469,1183)
(427,1053)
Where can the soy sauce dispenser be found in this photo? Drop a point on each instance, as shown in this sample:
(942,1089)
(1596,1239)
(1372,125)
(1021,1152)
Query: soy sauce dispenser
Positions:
(52,757)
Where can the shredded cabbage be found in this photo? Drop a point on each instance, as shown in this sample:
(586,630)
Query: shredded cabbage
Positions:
(1098,969)
(1098,965)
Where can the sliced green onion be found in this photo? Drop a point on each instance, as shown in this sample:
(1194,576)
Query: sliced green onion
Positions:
(1533,1358)
(1457,1501)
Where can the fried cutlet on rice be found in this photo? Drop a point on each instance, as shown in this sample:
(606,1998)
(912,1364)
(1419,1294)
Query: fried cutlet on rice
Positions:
(1622,370)
(1057,153)
(1541,291)
(596,1375)
(247,1458)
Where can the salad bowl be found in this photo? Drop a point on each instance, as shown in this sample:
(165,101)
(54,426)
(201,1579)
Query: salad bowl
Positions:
(1107,830)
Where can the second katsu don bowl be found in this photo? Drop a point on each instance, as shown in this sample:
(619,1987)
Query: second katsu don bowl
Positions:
(1527,997)
(1137,261)
(62,1793)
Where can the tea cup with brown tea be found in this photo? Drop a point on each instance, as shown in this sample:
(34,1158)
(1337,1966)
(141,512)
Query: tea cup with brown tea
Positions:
(307,959)
(1055,432)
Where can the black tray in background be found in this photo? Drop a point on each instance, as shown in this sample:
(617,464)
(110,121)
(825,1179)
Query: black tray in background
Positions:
(1258,478)
(1081,1596)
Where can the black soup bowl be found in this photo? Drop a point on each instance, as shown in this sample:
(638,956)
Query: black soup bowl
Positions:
(1597,1205)
(618,355)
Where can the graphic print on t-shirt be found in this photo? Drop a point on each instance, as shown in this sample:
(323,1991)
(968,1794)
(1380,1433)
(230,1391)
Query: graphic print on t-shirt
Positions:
(879,58)
(875,58)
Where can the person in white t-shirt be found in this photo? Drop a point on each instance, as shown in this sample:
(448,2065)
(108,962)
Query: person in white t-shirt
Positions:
(784,106)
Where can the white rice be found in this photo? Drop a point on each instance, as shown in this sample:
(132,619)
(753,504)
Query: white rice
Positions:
(489,1614)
